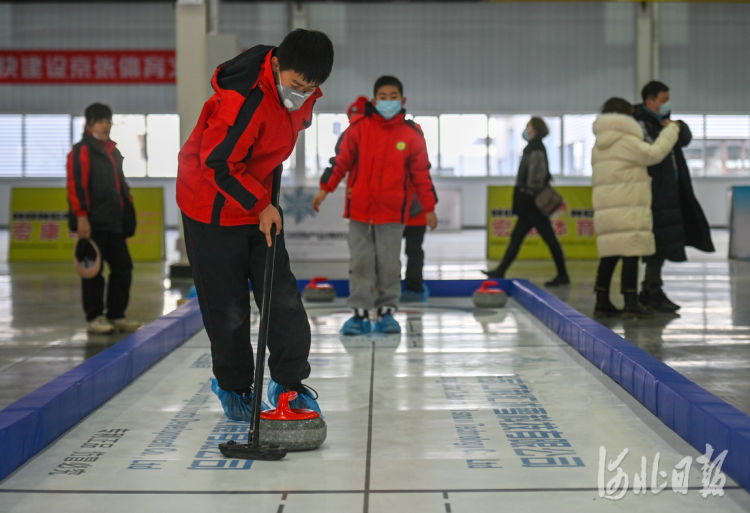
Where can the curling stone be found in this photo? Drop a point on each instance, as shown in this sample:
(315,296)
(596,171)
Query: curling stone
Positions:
(319,291)
(294,429)
(489,295)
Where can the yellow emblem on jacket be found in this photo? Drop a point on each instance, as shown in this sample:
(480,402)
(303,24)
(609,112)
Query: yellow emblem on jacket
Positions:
(401,146)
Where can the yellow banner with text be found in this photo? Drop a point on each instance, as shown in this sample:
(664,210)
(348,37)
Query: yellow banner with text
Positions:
(573,224)
(39,225)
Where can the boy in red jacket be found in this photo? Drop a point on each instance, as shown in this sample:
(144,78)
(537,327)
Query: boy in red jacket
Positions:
(263,98)
(384,153)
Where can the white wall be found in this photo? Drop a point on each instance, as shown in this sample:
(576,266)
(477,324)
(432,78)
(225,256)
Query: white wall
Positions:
(703,54)
(497,57)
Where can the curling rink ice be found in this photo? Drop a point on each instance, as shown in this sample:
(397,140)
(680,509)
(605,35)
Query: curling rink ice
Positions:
(466,411)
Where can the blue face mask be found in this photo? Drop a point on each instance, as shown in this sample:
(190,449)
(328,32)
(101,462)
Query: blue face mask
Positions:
(665,109)
(388,108)
(525,134)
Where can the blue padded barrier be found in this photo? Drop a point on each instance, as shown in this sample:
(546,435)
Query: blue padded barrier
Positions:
(695,414)
(32,422)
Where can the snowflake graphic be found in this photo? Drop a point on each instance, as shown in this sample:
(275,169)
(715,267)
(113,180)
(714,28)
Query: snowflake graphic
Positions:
(298,204)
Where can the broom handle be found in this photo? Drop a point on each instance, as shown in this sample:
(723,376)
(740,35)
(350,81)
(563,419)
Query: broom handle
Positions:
(265,314)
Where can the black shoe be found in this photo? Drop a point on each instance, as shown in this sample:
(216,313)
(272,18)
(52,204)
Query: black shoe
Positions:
(637,310)
(634,308)
(658,301)
(494,273)
(604,307)
(557,281)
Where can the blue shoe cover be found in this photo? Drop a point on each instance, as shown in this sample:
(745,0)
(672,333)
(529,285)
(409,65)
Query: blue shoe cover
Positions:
(236,406)
(356,326)
(387,324)
(303,401)
(412,296)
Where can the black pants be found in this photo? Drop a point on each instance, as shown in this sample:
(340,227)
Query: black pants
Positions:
(115,252)
(628,278)
(414,236)
(652,277)
(533,219)
(223,259)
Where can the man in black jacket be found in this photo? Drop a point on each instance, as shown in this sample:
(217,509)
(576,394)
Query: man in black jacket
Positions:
(678,218)
(100,201)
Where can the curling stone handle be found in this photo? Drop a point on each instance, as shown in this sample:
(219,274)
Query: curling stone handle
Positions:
(487,284)
(285,399)
(317,280)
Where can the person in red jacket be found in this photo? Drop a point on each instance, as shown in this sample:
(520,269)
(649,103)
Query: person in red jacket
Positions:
(382,152)
(355,111)
(263,98)
(98,196)
(416,225)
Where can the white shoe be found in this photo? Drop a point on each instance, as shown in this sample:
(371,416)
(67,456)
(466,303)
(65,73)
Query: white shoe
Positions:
(127,325)
(100,325)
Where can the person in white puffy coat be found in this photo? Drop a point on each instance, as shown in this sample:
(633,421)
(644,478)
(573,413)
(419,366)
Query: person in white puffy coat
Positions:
(622,200)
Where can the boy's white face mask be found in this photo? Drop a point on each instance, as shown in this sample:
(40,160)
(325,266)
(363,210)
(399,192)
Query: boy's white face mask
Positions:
(291,98)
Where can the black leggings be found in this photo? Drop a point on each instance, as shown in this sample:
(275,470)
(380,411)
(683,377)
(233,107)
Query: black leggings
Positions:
(533,219)
(414,236)
(628,278)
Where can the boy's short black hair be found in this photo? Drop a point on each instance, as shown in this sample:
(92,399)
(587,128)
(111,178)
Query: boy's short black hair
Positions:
(96,112)
(618,106)
(652,89)
(388,80)
(308,52)
(539,126)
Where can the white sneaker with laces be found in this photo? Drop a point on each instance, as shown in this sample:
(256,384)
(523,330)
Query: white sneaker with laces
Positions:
(100,325)
(126,325)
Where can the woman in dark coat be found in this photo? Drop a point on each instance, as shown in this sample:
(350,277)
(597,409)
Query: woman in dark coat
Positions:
(533,176)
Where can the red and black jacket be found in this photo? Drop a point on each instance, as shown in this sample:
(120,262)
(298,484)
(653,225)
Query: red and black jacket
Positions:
(384,159)
(225,168)
(96,185)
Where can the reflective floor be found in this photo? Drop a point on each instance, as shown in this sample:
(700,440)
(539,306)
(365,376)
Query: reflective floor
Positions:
(466,411)
(42,331)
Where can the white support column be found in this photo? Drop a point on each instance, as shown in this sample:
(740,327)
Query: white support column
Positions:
(192,87)
(298,18)
(212,17)
(190,48)
(646,45)
(199,49)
